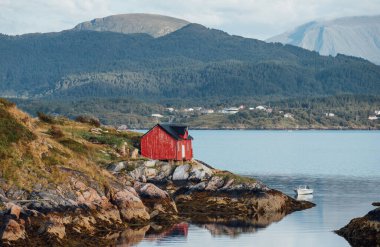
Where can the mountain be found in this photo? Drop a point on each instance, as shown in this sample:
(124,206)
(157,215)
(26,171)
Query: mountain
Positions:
(192,63)
(354,36)
(154,25)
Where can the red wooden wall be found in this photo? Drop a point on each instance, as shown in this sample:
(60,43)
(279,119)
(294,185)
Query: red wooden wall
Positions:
(159,145)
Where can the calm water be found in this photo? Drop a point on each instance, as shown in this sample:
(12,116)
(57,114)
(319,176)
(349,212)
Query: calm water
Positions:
(342,166)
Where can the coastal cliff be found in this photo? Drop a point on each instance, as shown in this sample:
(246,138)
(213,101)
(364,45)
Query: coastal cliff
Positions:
(74,183)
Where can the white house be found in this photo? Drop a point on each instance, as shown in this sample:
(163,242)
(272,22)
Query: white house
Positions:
(260,107)
(372,118)
(157,115)
(329,114)
(170,109)
(288,115)
(207,111)
(377,112)
(231,110)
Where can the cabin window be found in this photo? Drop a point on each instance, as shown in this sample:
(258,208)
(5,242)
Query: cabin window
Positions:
(183,151)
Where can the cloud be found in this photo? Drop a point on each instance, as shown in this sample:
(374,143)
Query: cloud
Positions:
(251,18)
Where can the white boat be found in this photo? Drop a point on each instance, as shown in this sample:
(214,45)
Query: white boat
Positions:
(303,190)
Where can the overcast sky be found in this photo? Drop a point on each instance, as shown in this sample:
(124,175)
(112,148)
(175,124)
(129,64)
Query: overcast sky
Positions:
(250,18)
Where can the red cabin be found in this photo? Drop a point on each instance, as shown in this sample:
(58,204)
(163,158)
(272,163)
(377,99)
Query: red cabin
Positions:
(167,142)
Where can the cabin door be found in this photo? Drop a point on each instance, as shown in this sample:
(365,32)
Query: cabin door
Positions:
(183,152)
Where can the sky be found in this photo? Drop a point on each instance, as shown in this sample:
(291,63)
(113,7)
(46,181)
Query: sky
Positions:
(259,19)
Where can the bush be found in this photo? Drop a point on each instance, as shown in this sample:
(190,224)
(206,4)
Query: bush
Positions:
(6,103)
(89,120)
(46,118)
(56,132)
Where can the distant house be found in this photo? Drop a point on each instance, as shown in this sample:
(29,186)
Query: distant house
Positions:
(189,110)
(372,118)
(231,110)
(122,128)
(329,114)
(261,108)
(377,113)
(167,142)
(157,115)
(170,109)
(288,115)
(207,111)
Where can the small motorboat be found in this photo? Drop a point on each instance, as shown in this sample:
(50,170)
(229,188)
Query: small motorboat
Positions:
(303,190)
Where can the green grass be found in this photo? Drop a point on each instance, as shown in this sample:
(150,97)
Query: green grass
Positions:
(11,132)
(74,145)
(239,179)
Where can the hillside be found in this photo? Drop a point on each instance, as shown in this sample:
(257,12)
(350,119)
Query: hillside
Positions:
(154,25)
(75,183)
(354,36)
(192,62)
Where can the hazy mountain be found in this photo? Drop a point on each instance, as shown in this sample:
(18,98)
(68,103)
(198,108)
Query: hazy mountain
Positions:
(154,25)
(191,63)
(355,36)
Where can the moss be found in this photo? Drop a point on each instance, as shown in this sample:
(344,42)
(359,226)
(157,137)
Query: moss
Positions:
(239,179)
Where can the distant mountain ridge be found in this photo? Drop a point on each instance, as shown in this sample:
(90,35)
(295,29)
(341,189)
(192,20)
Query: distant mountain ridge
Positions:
(354,36)
(154,25)
(193,62)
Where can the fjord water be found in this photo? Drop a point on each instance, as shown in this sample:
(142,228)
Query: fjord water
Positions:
(342,166)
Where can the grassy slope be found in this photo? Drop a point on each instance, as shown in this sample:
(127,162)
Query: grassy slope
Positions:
(31,153)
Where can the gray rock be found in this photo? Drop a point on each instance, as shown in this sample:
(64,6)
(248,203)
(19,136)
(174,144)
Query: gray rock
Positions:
(150,163)
(198,187)
(215,183)
(117,167)
(181,172)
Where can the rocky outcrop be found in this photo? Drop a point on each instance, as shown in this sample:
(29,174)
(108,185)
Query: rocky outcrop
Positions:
(138,193)
(199,190)
(363,231)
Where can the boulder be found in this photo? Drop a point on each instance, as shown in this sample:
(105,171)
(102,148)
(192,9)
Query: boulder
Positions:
(215,183)
(14,209)
(117,167)
(130,206)
(160,205)
(135,153)
(150,191)
(182,172)
(13,231)
(150,173)
(150,163)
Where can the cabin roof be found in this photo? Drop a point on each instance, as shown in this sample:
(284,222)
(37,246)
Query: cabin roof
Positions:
(174,130)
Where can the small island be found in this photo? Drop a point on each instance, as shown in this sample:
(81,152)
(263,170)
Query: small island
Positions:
(70,183)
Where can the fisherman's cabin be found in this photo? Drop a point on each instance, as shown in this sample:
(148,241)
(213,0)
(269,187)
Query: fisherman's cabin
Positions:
(167,142)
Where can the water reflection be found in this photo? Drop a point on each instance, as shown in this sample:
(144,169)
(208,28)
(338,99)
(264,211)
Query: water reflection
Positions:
(150,233)
(177,232)
(304,198)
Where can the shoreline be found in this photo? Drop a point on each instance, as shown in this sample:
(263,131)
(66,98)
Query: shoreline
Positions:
(275,129)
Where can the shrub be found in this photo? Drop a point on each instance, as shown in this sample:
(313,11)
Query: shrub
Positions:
(89,120)
(56,132)
(6,103)
(46,118)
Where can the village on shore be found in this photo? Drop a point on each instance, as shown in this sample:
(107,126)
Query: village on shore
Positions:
(234,110)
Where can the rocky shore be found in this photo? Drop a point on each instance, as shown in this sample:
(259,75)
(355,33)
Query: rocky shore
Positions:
(76,183)
(363,231)
(147,193)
